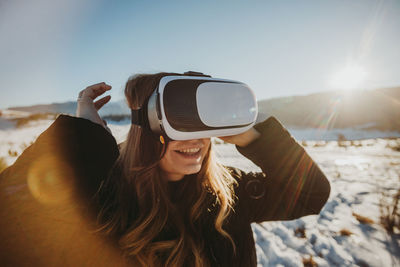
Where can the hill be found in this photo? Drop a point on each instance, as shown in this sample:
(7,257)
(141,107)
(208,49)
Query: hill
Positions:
(377,109)
(374,109)
(112,108)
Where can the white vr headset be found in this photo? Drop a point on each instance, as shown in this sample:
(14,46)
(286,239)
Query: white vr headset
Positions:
(193,107)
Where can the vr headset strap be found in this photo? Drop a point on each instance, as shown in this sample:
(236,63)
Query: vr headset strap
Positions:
(138,117)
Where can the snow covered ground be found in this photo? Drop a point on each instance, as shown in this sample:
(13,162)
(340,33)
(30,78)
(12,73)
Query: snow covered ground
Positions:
(360,173)
(359,176)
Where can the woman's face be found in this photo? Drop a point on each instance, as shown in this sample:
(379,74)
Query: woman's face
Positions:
(184,157)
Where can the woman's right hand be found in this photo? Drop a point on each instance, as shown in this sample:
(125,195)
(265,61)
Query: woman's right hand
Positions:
(87,108)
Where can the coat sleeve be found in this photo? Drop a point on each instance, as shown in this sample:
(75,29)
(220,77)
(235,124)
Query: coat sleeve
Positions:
(71,152)
(45,198)
(291,184)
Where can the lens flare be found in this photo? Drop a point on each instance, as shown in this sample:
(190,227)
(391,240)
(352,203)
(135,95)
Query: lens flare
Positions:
(50,180)
(350,77)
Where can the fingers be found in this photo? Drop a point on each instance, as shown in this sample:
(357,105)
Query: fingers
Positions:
(94,90)
(99,86)
(101,102)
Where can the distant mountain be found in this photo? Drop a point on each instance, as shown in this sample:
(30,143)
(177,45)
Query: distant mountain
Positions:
(112,108)
(362,109)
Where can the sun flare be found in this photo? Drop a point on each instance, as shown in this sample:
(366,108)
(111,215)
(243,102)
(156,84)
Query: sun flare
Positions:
(351,76)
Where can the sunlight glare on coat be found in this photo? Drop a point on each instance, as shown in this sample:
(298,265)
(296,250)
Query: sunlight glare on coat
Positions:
(50,181)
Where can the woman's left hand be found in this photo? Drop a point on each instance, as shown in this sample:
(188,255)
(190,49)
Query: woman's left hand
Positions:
(242,139)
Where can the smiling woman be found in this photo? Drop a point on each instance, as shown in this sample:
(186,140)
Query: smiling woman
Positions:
(351,76)
(157,202)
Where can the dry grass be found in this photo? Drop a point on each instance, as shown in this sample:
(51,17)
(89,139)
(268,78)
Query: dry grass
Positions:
(24,145)
(300,232)
(342,141)
(12,153)
(34,117)
(320,144)
(309,262)
(309,143)
(356,143)
(346,232)
(396,148)
(390,214)
(363,219)
(394,143)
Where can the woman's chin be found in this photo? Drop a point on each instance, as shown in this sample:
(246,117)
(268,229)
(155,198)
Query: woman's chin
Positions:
(178,174)
(192,169)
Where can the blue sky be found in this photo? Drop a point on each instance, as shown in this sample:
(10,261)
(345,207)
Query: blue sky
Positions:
(50,50)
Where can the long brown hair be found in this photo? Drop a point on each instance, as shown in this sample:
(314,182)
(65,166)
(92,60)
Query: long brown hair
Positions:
(136,203)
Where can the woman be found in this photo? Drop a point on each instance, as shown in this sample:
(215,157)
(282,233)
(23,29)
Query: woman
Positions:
(173,204)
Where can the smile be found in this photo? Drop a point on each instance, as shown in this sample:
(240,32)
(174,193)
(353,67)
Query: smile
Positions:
(189,152)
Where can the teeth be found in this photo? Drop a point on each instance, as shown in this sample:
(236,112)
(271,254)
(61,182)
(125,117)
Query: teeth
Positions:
(191,150)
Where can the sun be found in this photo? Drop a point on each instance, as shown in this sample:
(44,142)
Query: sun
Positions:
(352,76)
